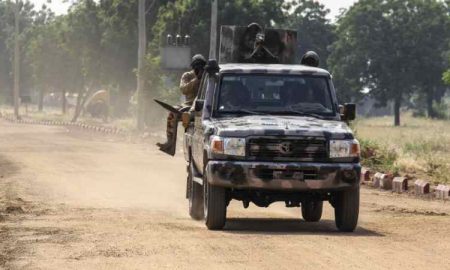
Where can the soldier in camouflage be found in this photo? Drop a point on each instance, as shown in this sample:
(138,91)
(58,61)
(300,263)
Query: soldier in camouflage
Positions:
(190,82)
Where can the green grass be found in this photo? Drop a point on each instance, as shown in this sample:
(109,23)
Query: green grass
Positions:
(420,147)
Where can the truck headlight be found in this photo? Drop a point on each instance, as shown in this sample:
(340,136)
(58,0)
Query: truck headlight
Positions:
(344,148)
(228,146)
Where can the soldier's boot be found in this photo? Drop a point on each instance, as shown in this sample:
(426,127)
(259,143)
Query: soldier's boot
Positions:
(169,147)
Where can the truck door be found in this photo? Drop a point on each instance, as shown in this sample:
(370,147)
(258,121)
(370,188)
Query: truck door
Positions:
(197,146)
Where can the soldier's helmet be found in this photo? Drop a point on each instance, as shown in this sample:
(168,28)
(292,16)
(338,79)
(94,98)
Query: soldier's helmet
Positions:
(198,60)
(311,59)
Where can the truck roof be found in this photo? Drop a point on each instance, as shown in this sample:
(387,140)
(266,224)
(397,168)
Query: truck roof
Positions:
(272,69)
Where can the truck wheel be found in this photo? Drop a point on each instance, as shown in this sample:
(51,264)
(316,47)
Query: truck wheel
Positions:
(312,210)
(195,197)
(346,209)
(215,206)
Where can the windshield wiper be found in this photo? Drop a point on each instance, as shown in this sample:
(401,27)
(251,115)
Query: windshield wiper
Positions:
(302,113)
(245,111)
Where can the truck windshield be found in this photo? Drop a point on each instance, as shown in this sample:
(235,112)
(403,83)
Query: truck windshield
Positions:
(275,94)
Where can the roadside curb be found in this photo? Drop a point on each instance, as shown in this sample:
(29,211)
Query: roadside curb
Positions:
(401,185)
(81,125)
(421,187)
(443,192)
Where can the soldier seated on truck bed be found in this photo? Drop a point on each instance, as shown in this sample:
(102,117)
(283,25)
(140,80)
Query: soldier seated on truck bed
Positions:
(190,82)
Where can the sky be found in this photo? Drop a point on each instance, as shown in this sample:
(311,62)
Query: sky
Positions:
(335,5)
(59,7)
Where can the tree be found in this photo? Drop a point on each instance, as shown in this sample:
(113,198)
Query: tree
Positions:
(82,39)
(41,53)
(7,41)
(430,37)
(142,49)
(379,50)
(446,76)
(5,63)
(315,31)
(118,43)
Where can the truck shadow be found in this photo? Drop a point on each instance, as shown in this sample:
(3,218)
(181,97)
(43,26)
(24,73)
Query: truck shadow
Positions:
(280,226)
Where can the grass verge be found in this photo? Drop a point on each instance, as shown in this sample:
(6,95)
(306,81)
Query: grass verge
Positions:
(420,147)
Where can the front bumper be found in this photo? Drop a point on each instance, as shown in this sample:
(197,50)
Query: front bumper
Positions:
(288,176)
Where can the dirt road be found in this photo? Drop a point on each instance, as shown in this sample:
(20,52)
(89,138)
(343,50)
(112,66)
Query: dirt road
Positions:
(91,203)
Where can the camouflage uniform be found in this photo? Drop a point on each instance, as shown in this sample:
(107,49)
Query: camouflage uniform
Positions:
(189,87)
(189,84)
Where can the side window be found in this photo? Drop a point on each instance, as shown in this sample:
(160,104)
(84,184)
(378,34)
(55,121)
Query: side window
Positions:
(203,87)
(208,96)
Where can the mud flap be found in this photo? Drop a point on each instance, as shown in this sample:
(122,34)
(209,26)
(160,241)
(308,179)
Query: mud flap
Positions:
(172,128)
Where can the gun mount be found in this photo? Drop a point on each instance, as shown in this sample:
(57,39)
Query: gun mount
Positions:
(253,44)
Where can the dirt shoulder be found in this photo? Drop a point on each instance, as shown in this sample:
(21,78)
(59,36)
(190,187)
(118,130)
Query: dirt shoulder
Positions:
(89,202)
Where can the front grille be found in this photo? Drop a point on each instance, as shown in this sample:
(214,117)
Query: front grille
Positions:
(294,174)
(311,148)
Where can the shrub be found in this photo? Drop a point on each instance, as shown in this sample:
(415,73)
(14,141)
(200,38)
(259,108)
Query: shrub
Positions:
(378,157)
(441,110)
(437,168)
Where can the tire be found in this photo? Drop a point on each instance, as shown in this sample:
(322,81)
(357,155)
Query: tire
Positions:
(215,206)
(312,211)
(195,197)
(346,210)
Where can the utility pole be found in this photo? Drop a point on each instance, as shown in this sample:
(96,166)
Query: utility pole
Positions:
(213,38)
(16,62)
(141,59)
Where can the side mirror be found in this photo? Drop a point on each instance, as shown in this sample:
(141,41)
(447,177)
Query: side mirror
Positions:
(348,111)
(198,105)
